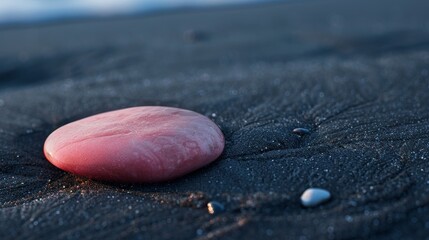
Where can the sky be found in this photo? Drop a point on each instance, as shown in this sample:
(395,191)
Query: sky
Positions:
(39,10)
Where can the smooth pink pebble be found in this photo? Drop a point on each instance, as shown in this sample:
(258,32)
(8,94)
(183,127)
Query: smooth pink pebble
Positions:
(139,144)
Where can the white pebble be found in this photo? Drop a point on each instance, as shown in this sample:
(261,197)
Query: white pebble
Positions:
(314,196)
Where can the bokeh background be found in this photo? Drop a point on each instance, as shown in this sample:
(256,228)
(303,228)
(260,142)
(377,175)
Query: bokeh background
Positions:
(24,11)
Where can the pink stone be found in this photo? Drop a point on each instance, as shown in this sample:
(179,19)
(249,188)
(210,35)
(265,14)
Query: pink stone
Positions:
(139,144)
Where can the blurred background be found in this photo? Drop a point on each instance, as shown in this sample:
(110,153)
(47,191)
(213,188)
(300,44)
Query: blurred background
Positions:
(24,11)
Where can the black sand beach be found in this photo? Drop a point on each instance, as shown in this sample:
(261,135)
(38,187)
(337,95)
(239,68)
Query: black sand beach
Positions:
(355,73)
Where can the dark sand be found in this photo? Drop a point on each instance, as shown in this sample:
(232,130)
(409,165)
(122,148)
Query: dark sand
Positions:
(356,73)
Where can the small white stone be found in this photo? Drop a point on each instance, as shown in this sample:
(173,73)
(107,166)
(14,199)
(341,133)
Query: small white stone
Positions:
(314,196)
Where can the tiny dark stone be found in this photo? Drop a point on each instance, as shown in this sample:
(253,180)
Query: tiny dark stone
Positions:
(301,131)
(215,207)
(194,36)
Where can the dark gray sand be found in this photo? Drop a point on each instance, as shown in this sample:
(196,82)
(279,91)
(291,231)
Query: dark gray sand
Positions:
(354,73)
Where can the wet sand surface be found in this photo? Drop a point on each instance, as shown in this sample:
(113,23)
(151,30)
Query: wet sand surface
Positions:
(354,73)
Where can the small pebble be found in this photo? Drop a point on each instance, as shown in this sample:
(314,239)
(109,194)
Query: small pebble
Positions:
(193,36)
(200,231)
(215,207)
(139,144)
(301,131)
(314,196)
